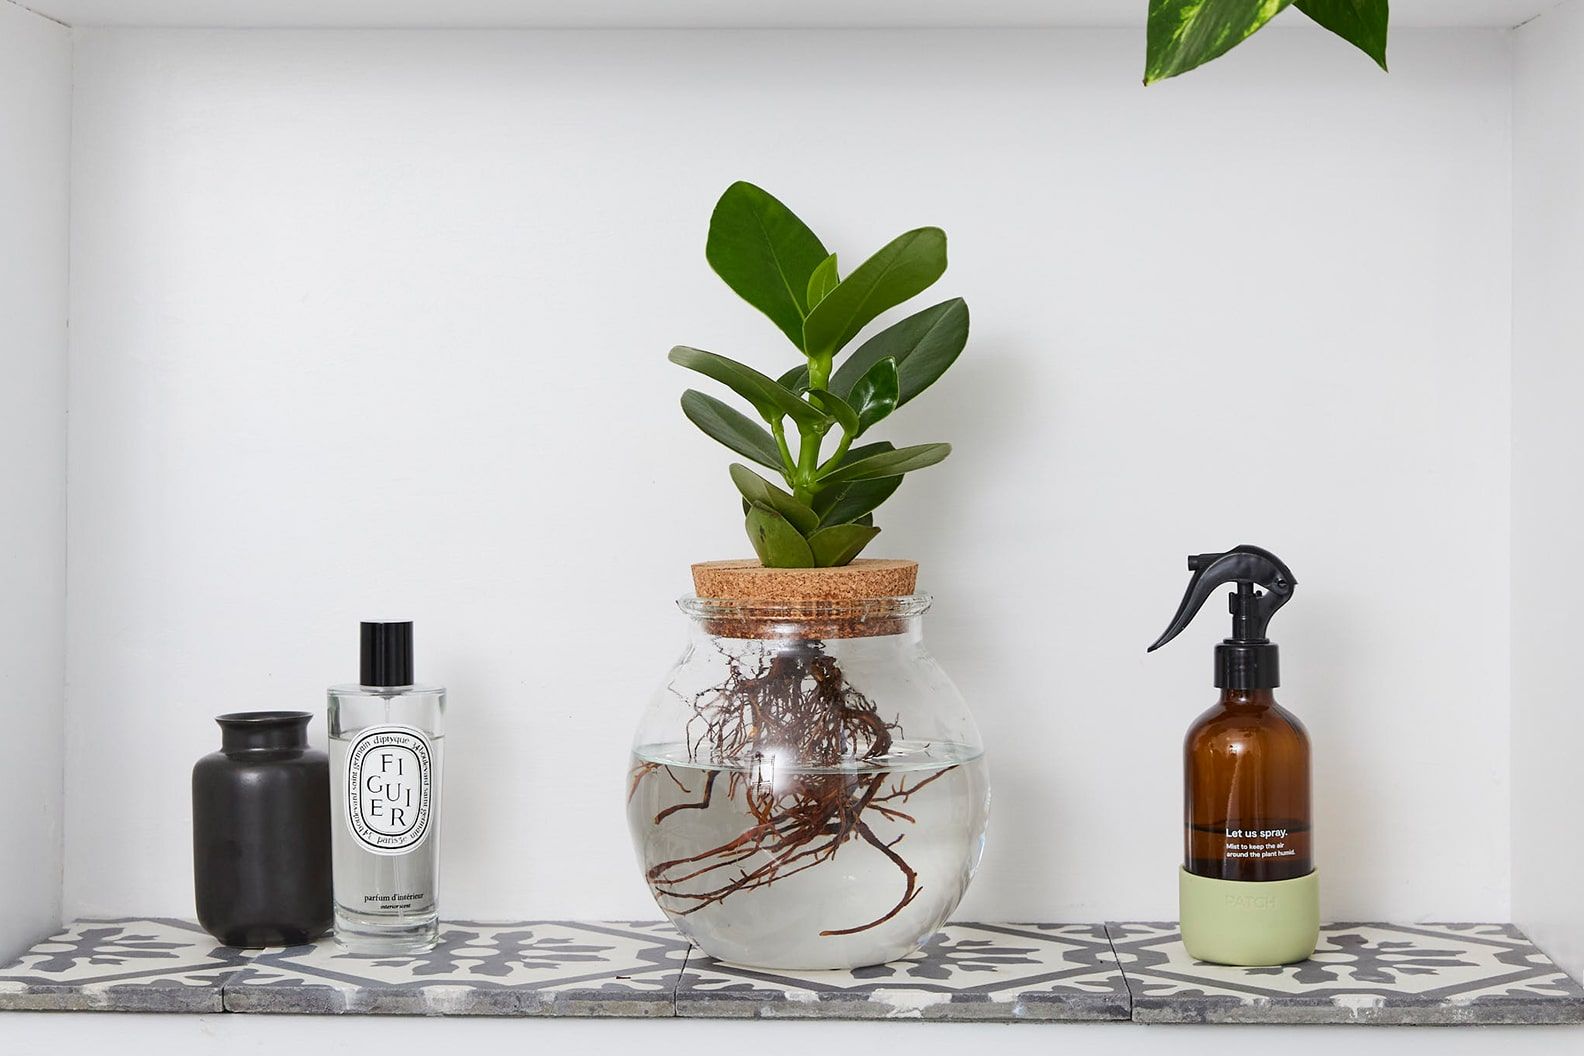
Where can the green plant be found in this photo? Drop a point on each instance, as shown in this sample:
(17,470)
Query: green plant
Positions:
(825,515)
(1183,34)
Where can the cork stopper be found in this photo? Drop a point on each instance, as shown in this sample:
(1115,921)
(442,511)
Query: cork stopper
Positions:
(862,580)
(747,600)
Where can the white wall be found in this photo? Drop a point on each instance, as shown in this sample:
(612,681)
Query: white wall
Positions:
(1548,489)
(35,131)
(375,323)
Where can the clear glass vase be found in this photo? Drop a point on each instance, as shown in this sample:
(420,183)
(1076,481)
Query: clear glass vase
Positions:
(808,789)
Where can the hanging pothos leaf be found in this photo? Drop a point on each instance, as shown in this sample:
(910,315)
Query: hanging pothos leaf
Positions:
(1183,34)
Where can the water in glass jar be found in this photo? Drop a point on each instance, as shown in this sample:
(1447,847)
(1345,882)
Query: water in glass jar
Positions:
(786,867)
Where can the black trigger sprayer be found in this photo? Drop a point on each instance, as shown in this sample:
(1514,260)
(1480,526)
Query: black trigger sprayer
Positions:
(1247,658)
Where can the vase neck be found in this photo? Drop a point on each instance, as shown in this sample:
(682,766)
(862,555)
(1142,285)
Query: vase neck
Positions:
(254,731)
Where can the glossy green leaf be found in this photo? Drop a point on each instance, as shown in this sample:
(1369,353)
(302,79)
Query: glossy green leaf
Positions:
(923,345)
(827,495)
(889,463)
(875,395)
(1183,34)
(795,379)
(824,497)
(850,503)
(770,398)
(756,489)
(823,280)
(777,543)
(865,450)
(765,254)
(731,427)
(840,543)
(837,408)
(1362,23)
(905,266)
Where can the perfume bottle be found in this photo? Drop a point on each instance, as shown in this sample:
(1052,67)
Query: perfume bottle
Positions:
(387,745)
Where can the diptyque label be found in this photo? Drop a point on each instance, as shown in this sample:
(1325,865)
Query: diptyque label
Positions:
(389,788)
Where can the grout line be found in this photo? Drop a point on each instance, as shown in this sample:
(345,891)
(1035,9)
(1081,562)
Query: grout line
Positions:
(1126,983)
(676,989)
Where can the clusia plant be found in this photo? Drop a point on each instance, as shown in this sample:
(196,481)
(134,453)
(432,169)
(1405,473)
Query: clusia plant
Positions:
(808,789)
(824,516)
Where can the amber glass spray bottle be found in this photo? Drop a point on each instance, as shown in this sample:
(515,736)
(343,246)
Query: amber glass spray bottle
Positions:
(1248,891)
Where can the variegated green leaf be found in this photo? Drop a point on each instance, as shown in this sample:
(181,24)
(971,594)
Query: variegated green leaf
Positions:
(1183,34)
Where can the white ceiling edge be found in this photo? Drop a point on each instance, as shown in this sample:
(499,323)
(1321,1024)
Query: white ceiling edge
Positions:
(693,14)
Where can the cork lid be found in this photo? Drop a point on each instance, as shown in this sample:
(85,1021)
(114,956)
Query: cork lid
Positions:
(743,599)
(748,580)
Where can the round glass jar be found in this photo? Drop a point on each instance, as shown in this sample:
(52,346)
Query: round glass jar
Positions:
(807,789)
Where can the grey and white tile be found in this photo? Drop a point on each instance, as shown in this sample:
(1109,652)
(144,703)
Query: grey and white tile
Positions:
(546,968)
(121,965)
(1361,973)
(997,972)
(1368,973)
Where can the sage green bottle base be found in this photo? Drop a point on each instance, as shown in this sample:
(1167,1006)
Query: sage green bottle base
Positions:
(1250,925)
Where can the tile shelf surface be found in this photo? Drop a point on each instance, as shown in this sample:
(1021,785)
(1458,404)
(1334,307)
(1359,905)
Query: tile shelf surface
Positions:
(1371,973)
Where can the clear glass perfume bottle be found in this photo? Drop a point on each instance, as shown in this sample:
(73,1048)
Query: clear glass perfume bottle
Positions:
(387,746)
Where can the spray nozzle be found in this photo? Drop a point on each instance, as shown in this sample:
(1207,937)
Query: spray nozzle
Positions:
(1246,660)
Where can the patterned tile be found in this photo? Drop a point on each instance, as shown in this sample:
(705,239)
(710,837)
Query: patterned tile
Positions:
(1360,973)
(535,968)
(136,965)
(965,972)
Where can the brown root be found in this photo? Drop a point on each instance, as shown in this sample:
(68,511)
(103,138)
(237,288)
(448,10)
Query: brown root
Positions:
(794,704)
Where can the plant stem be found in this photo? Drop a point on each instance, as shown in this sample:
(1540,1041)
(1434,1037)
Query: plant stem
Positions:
(808,465)
(789,468)
(819,369)
(836,457)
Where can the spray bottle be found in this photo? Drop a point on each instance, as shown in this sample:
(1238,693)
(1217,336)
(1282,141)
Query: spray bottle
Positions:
(1248,891)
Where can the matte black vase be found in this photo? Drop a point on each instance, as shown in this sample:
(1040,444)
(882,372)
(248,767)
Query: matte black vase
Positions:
(261,832)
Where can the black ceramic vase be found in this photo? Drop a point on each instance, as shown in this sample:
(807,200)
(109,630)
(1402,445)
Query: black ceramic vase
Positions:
(261,832)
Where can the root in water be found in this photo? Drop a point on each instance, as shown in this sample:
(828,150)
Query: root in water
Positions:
(795,704)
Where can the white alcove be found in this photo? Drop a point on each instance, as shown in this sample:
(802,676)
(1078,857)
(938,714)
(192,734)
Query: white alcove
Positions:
(318,311)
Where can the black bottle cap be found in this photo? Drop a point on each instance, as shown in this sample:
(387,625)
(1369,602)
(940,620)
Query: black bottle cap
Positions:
(1247,665)
(387,654)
